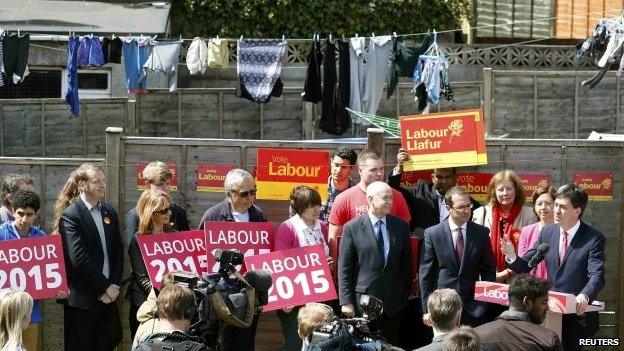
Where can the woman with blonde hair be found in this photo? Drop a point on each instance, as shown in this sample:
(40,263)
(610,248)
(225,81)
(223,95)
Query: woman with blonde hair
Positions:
(504,214)
(15,310)
(154,210)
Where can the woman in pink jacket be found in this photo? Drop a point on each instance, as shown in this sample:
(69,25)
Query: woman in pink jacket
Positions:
(543,205)
(303,229)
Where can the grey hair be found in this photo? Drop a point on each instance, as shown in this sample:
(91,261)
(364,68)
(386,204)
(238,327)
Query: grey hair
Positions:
(234,177)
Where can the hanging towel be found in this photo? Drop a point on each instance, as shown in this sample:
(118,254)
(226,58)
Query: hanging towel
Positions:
(259,66)
(218,54)
(197,56)
(111,47)
(342,115)
(1,59)
(164,58)
(15,57)
(90,52)
(71,97)
(312,87)
(135,52)
(356,64)
(404,59)
(327,123)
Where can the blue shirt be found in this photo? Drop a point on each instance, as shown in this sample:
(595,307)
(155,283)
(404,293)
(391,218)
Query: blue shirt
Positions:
(8,232)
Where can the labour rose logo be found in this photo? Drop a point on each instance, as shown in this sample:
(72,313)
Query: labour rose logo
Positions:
(606,184)
(456,127)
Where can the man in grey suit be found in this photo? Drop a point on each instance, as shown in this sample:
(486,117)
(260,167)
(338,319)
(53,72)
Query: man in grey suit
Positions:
(445,308)
(375,259)
(455,254)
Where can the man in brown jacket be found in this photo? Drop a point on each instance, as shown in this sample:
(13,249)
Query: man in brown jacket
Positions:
(519,327)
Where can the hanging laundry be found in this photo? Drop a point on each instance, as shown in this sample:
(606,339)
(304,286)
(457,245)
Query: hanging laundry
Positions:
(71,97)
(90,52)
(164,58)
(327,123)
(135,52)
(343,119)
(259,66)
(369,69)
(312,91)
(111,48)
(403,62)
(606,42)
(218,53)
(431,77)
(242,92)
(197,56)
(15,56)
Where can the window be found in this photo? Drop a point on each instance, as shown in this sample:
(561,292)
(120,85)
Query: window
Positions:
(40,83)
(91,83)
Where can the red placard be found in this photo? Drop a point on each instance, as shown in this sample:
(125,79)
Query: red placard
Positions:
(598,185)
(250,238)
(410,179)
(35,265)
(446,139)
(498,293)
(142,183)
(164,253)
(530,182)
(475,183)
(210,177)
(300,275)
(280,170)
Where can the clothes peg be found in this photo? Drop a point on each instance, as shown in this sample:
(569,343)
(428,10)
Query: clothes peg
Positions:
(283,37)
(241,38)
(343,38)
(217,36)
(373,34)
(356,35)
(394,34)
(330,38)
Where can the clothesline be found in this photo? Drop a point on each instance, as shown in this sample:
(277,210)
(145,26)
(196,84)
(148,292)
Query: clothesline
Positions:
(48,37)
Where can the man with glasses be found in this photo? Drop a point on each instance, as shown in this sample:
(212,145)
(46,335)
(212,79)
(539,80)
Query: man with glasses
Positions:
(455,254)
(240,193)
(427,199)
(158,177)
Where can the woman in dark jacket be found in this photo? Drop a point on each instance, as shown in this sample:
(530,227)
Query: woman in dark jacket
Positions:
(154,210)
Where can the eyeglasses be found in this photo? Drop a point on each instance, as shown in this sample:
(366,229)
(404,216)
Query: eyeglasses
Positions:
(162,211)
(245,193)
(463,208)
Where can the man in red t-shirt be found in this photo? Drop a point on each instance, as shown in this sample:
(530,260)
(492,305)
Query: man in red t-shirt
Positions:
(352,202)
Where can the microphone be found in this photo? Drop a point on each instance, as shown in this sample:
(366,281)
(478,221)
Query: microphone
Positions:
(261,280)
(542,250)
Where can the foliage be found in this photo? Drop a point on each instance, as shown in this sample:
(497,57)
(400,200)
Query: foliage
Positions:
(302,18)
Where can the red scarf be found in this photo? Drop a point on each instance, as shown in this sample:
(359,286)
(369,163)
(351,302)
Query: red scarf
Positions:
(509,233)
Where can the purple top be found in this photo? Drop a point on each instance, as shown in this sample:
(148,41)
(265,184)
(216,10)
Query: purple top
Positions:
(528,238)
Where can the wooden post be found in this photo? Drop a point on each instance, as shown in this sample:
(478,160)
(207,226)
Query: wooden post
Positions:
(487,100)
(619,321)
(375,140)
(113,167)
(131,123)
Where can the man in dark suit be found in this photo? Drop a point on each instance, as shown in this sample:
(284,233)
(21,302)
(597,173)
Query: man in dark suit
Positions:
(426,200)
(93,261)
(158,177)
(375,259)
(445,308)
(575,262)
(455,254)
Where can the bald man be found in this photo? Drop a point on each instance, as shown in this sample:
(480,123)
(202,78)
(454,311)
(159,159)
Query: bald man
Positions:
(375,259)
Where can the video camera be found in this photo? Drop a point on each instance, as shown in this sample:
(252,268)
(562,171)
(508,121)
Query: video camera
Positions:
(226,297)
(345,333)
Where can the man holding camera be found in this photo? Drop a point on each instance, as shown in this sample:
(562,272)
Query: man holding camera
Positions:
(375,259)
(175,307)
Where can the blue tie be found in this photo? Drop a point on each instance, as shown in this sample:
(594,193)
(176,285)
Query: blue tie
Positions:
(380,241)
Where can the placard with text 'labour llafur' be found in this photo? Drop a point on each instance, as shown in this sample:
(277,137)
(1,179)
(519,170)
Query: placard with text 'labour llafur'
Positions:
(280,170)
(447,139)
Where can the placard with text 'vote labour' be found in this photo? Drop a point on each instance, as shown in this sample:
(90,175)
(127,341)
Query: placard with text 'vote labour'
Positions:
(211,177)
(598,185)
(280,170)
(440,140)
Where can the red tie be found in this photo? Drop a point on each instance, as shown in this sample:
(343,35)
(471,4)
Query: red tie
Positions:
(563,247)
(459,244)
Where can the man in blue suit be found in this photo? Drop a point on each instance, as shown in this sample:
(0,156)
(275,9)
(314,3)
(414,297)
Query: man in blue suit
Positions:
(575,262)
(455,254)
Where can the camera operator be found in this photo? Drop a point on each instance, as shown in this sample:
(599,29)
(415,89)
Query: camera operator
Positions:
(312,316)
(175,308)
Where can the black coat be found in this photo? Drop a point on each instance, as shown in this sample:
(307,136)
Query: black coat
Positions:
(178,219)
(84,255)
(222,212)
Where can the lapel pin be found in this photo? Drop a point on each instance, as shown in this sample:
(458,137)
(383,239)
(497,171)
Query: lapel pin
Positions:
(107,220)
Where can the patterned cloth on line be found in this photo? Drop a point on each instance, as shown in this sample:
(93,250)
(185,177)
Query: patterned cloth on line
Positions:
(259,66)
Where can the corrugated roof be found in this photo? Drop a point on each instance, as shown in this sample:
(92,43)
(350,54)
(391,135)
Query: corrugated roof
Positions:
(47,16)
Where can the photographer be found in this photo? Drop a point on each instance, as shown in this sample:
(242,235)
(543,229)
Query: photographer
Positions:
(312,316)
(176,307)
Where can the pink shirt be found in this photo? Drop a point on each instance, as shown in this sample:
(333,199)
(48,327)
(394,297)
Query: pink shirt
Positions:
(288,238)
(528,238)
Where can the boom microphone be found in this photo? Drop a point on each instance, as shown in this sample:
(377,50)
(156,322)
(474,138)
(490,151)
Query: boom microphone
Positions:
(261,280)
(542,250)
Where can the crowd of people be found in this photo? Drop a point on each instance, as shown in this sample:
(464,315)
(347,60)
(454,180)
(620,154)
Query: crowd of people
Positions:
(365,228)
